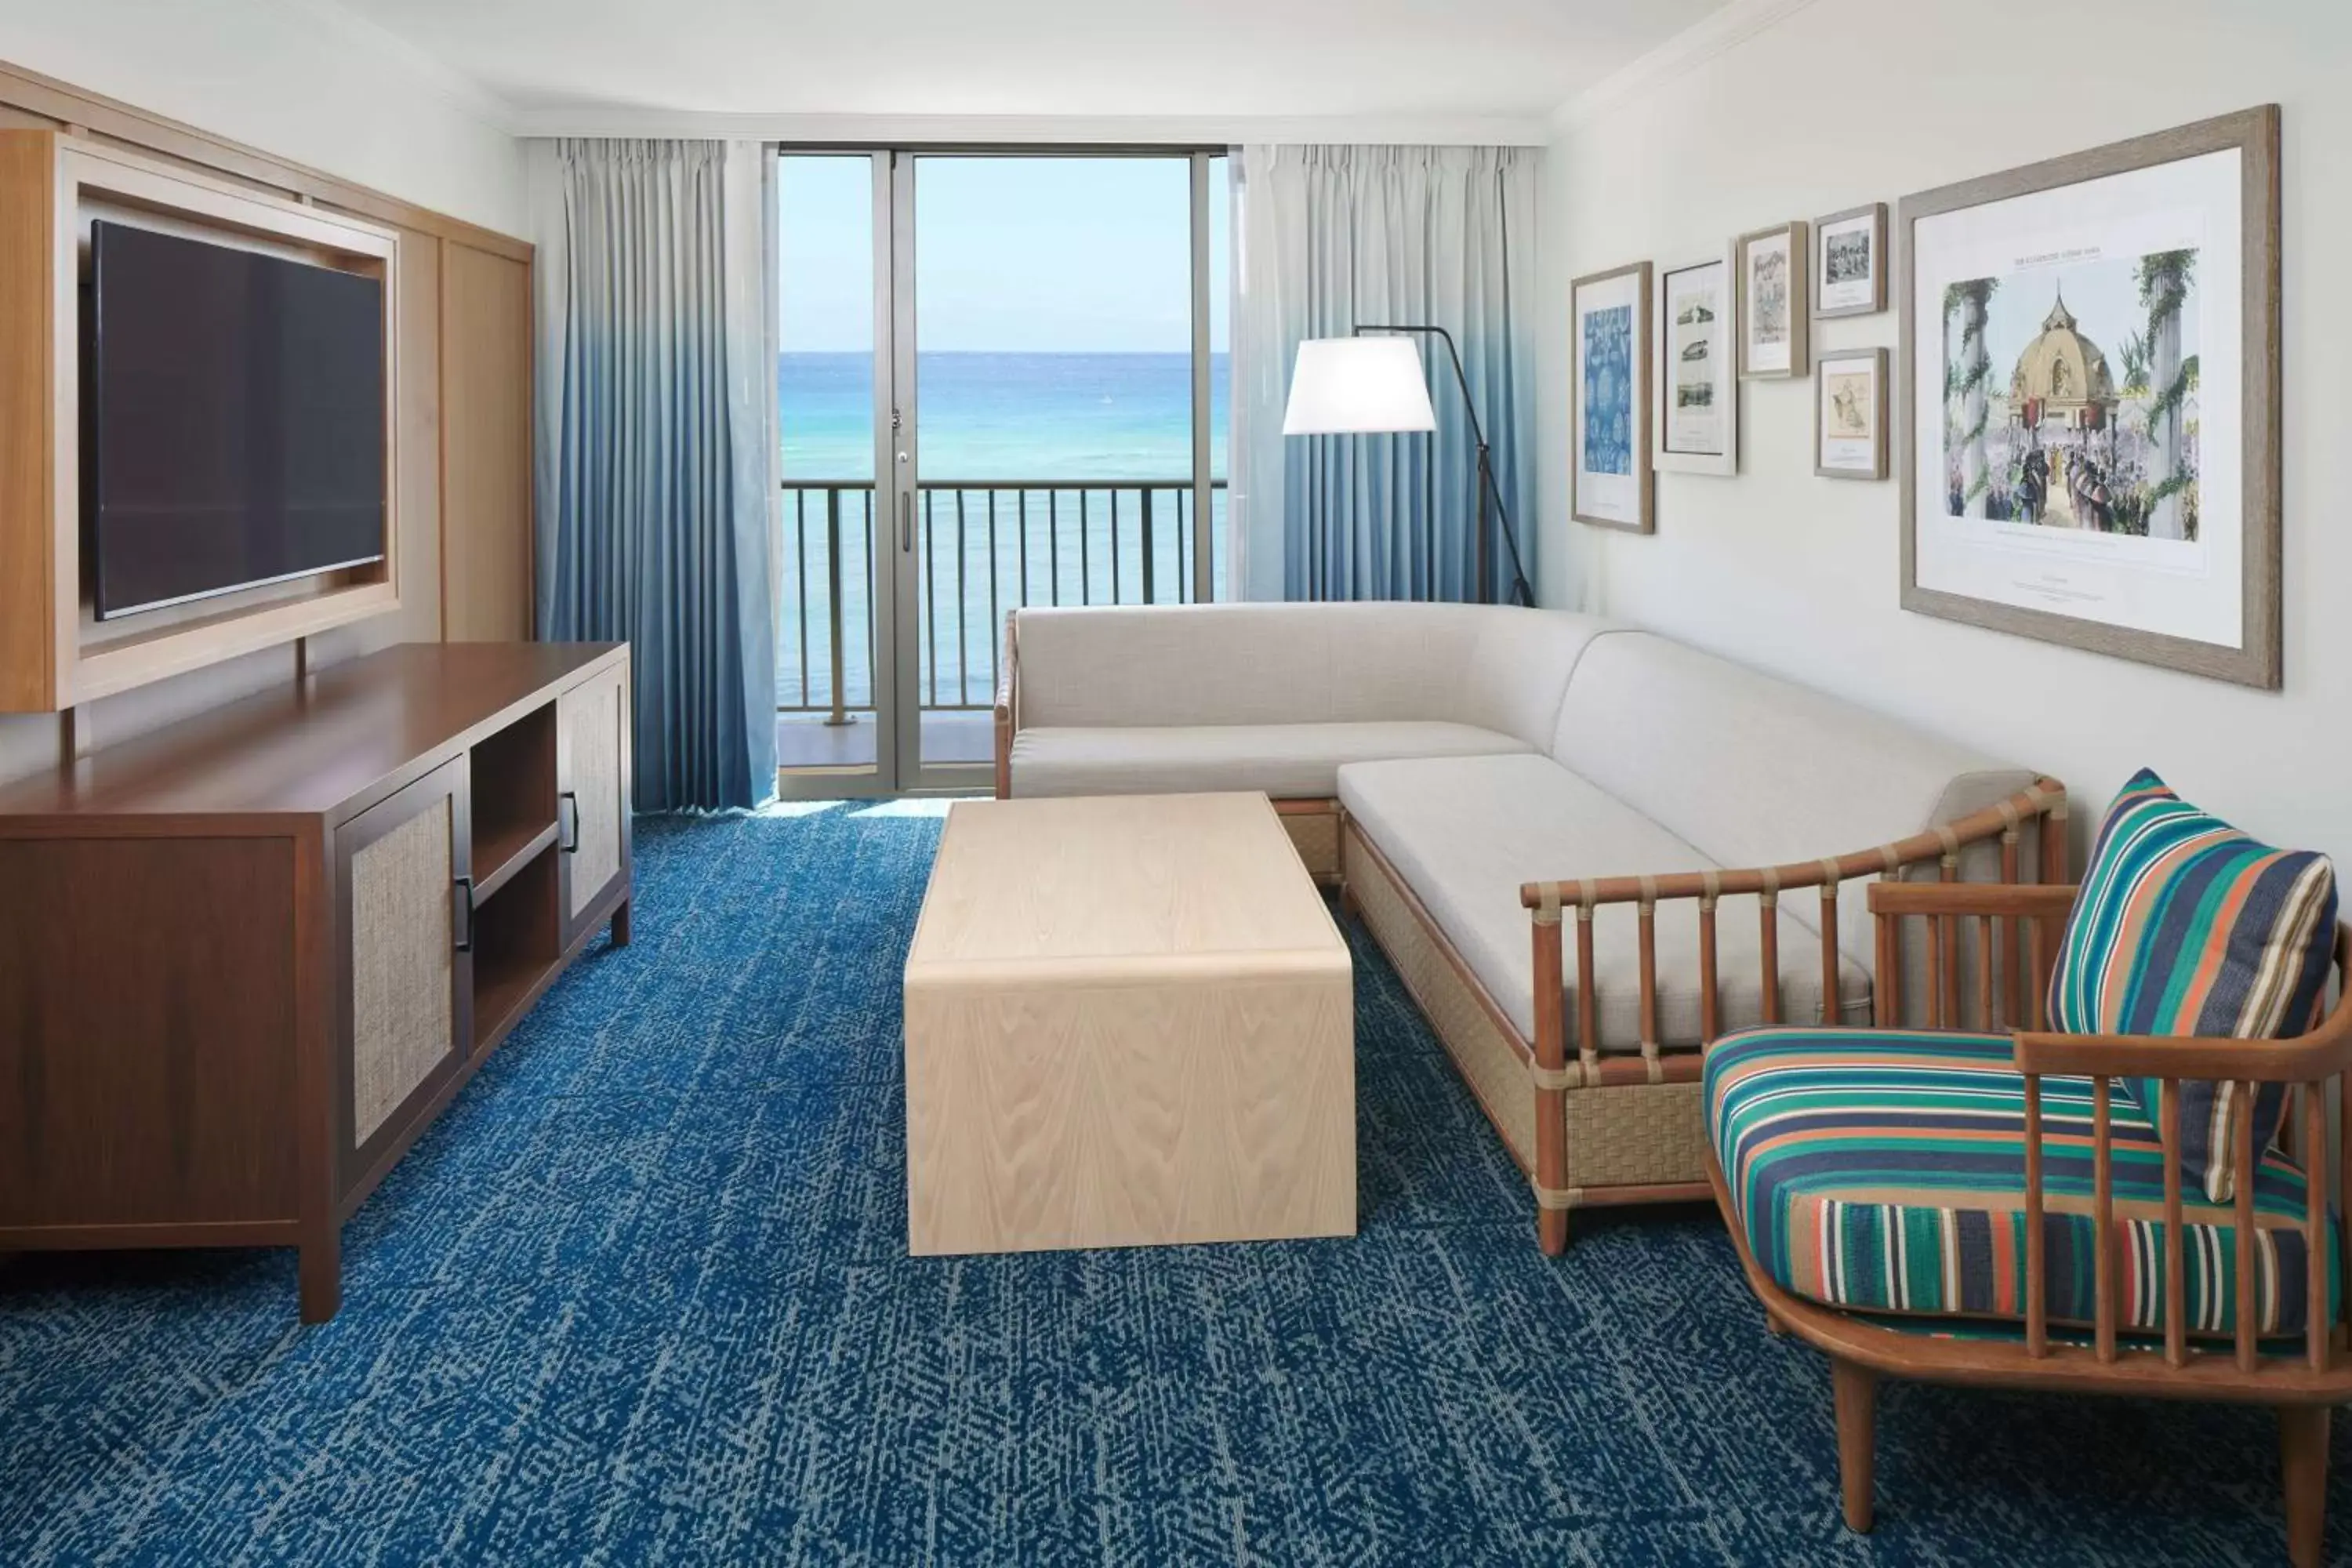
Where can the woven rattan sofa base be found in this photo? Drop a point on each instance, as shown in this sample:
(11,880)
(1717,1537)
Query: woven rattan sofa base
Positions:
(1629,1140)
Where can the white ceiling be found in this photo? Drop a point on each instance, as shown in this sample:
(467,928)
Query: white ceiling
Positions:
(589,65)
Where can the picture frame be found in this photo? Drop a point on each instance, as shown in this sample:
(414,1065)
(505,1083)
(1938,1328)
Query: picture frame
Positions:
(1774,307)
(2090,449)
(1849,266)
(1694,385)
(1610,479)
(1850,404)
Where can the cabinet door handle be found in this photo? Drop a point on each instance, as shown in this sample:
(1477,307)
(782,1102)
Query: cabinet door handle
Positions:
(571,798)
(466,902)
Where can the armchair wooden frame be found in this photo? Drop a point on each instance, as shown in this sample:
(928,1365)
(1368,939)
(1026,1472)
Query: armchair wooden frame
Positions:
(2304,1384)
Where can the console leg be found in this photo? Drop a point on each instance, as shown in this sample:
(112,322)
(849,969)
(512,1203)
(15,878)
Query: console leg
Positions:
(1551,1231)
(321,1271)
(621,925)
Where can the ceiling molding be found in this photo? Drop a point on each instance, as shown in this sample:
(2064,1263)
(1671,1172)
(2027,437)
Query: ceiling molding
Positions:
(1518,130)
(429,71)
(1685,51)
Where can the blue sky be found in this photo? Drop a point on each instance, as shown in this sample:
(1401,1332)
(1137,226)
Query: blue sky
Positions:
(1058,255)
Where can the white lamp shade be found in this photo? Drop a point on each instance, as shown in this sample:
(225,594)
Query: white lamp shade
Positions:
(1344,386)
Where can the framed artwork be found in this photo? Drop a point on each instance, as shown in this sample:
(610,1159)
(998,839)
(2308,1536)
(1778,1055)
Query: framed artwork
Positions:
(2090,449)
(1692,385)
(1850,262)
(1609,482)
(1850,414)
(1772,311)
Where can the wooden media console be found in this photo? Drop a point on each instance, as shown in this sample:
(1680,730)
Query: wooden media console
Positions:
(246,960)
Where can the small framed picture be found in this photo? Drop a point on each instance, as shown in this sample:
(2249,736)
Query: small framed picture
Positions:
(1692,383)
(1772,311)
(1850,414)
(1850,262)
(1609,395)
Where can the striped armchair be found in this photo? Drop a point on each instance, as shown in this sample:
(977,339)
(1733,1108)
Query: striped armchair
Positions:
(2088,1198)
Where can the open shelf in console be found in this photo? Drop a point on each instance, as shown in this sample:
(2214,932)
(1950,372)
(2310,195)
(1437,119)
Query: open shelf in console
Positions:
(513,798)
(518,932)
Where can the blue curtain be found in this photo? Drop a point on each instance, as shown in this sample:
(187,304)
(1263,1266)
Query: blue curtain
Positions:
(1334,236)
(655,473)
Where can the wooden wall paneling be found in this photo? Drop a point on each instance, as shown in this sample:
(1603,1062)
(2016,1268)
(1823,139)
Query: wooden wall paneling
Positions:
(28,670)
(28,100)
(486,479)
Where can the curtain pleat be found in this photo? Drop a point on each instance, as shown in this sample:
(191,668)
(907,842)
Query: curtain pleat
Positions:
(1334,236)
(654,505)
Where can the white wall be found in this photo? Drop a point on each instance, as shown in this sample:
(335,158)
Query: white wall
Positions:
(1846,101)
(305,82)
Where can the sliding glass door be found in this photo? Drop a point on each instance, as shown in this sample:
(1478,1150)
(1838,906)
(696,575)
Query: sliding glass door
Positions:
(1002,384)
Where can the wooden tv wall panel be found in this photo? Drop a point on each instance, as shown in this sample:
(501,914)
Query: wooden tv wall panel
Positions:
(54,654)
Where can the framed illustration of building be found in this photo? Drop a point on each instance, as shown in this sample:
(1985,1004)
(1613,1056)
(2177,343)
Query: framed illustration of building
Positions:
(2090,364)
(1609,411)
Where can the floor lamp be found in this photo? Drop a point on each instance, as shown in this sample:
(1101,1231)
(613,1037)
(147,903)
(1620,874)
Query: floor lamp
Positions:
(1363,385)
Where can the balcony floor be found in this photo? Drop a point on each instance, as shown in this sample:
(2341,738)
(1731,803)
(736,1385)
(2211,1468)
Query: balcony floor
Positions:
(805,740)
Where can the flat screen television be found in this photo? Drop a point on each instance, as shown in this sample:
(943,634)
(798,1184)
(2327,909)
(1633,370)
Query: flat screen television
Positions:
(232,419)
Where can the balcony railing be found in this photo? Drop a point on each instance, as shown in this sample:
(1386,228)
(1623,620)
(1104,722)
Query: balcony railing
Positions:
(982,547)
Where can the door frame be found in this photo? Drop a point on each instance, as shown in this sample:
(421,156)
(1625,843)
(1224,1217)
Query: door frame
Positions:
(900,767)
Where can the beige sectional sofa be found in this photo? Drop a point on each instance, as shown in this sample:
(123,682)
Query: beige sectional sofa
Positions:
(1481,779)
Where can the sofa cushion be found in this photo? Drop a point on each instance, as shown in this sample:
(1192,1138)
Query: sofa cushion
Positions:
(1759,772)
(2187,926)
(1464,832)
(1496,666)
(1884,1170)
(1286,761)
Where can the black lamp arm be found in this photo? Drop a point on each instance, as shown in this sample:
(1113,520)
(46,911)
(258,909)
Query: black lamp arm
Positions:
(1521,591)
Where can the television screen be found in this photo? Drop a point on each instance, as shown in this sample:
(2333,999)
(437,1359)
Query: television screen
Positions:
(235,419)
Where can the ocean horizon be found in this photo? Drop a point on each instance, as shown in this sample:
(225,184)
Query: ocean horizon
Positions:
(1005,416)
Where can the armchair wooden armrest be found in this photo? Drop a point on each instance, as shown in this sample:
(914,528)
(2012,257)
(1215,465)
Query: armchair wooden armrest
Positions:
(2322,1054)
(2016,901)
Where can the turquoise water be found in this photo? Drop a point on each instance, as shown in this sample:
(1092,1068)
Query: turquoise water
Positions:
(1006,415)
(1095,426)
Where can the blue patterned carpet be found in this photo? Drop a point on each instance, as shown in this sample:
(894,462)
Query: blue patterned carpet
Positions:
(643,1296)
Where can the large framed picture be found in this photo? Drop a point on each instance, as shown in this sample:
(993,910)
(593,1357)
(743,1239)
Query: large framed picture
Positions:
(1850,414)
(1772,306)
(1850,262)
(1609,482)
(1694,388)
(2090,452)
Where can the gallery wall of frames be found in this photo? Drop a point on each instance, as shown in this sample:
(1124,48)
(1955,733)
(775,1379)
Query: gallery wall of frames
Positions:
(2080,414)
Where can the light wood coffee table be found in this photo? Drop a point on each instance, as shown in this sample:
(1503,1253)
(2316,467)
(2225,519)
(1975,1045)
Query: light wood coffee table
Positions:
(1130,1021)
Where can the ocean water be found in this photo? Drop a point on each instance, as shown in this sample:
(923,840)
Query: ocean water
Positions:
(996,429)
(1121,417)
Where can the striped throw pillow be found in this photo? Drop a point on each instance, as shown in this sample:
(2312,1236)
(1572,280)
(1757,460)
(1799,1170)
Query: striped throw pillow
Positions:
(2185,926)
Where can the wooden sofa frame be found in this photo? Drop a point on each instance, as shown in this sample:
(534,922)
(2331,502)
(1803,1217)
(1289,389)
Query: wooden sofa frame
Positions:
(2304,1385)
(1643,1139)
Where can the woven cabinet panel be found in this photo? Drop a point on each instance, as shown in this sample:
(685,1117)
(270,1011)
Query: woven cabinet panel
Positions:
(1485,1057)
(588,717)
(1316,837)
(1635,1135)
(403,1022)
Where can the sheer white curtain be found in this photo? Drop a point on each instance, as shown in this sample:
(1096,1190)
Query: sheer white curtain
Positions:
(655,444)
(1327,237)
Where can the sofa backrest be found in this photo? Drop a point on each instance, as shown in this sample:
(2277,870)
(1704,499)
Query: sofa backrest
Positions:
(1754,771)
(1497,666)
